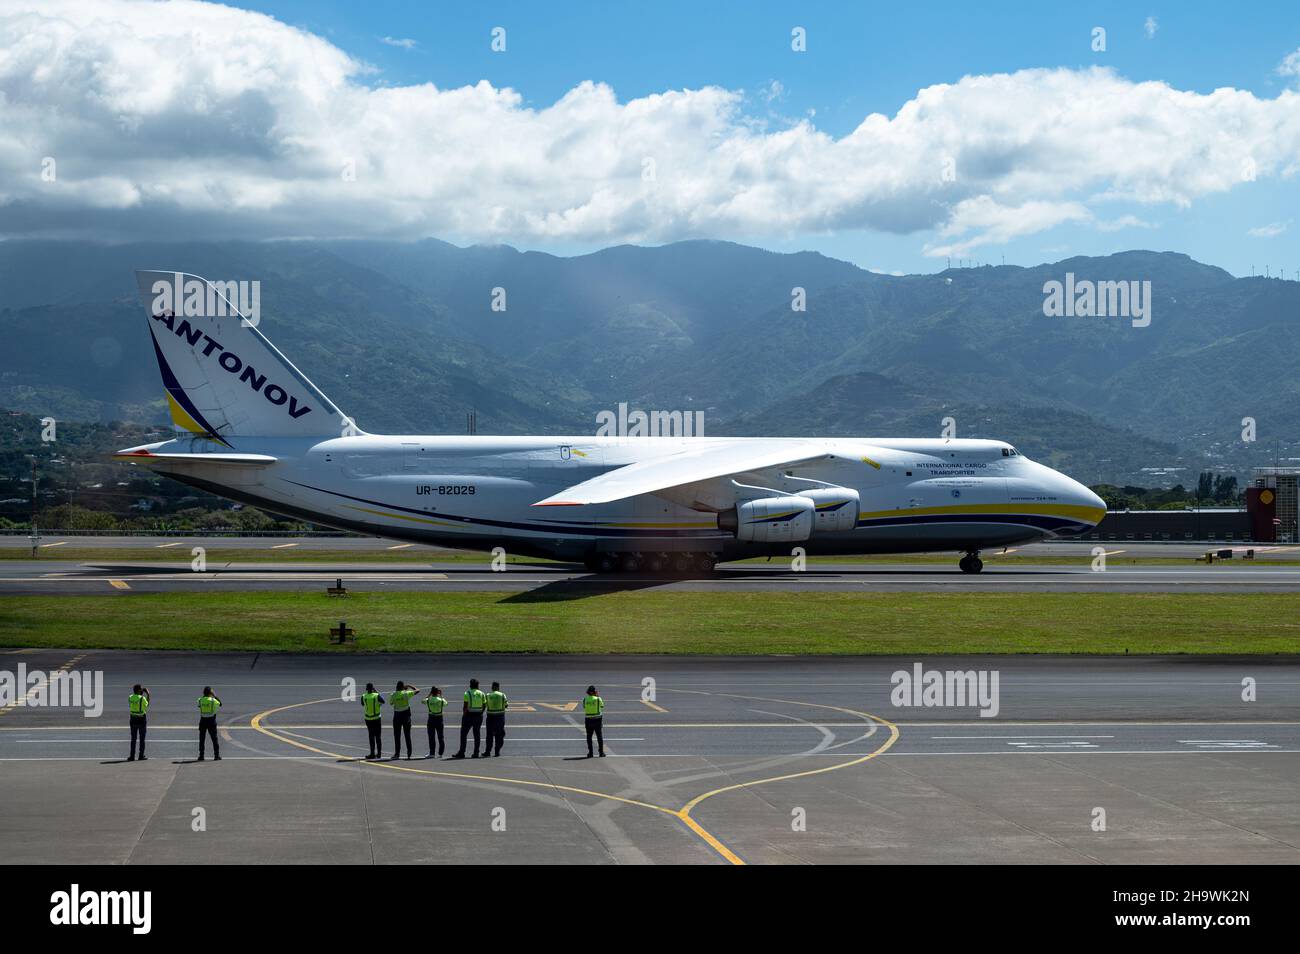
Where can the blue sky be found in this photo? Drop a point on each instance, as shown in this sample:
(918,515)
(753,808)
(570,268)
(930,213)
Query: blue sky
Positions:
(861,59)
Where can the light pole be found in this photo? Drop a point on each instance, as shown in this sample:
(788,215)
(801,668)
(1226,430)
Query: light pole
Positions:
(36,535)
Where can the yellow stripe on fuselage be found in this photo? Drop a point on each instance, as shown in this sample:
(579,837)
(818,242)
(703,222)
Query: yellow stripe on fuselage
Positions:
(402,516)
(1091,515)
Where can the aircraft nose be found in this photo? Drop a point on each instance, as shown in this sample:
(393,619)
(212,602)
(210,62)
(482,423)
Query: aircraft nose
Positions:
(1081,496)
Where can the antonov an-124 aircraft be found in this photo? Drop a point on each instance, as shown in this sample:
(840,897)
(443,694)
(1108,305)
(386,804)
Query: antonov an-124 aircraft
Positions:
(259,432)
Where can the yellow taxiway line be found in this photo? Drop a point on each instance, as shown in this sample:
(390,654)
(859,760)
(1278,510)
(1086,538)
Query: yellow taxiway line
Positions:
(682,814)
(20,702)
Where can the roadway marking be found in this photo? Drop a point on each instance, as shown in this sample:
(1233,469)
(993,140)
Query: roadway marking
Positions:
(1228,743)
(46,546)
(352,726)
(671,725)
(164,546)
(1054,745)
(402,546)
(23,701)
(648,704)
(986,737)
(682,814)
(119,584)
(283,546)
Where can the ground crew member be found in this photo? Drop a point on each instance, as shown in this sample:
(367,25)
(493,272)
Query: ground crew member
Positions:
(471,717)
(497,704)
(593,707)
(401,701)
(370,702)
(138,701)
(436,705)
(208,706)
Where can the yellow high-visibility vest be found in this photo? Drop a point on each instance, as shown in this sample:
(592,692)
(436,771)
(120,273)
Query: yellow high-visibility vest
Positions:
(208,706)
(435,704)
(139,704)
(372,702)
(400,699)
(497,701)
(476,699)
(593,706)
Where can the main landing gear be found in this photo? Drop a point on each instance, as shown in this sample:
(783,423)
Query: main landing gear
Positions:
(656,564)
(971,562)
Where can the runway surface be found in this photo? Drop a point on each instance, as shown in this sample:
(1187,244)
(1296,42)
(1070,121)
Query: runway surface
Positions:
(40,577)
(776,760)
(1128,549)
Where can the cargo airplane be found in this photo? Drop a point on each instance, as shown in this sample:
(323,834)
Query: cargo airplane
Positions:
(259,432)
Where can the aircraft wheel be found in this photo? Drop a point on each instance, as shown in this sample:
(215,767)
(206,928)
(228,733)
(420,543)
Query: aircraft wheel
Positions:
(630,563)
(683,563)
(656,562)
(970,563)
(607,563)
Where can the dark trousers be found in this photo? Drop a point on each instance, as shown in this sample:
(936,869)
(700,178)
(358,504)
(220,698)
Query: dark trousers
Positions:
(139,726)
(374,731)
(435,736)
(496,732)
(594,726)
(208,725)
(468,721)
(401,726)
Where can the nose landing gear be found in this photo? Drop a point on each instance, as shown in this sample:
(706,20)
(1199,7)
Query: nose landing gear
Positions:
(971,562)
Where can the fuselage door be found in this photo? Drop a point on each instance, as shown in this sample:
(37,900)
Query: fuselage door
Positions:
(410,457)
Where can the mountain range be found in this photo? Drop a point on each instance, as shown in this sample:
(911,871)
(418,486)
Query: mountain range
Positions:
(410,337)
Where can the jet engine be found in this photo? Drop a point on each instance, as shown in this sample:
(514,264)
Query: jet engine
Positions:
(770,519)
(836,508)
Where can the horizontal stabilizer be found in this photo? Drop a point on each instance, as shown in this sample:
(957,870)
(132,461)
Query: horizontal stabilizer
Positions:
(147,457)
(688,467)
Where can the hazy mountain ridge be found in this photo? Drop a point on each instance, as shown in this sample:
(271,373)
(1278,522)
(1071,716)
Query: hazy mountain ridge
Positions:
(405,338)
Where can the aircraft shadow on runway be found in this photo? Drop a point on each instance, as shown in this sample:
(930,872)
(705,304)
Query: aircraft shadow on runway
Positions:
(566,590)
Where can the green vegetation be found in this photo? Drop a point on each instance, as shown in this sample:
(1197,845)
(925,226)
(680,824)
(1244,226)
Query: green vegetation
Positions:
(1212,490)
(656,622)
(80,487)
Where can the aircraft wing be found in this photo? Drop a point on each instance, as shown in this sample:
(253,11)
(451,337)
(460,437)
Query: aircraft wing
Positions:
(687,467)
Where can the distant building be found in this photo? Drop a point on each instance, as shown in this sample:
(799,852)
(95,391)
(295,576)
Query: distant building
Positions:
(1174,525)
(1271,502)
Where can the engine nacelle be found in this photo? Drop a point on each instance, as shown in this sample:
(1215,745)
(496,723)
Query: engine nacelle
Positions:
(770,519)
(835,508)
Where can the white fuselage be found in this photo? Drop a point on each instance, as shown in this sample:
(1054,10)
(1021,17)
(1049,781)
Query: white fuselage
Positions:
(479,493)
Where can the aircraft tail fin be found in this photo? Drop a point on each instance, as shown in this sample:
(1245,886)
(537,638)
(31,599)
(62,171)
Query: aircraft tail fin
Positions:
(223,378)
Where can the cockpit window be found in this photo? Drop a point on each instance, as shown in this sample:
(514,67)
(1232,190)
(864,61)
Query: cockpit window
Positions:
(1009,452)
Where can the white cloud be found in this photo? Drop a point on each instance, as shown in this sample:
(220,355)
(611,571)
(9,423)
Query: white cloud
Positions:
(1150,27)
(773,91)
(1290,65)
(404,43)
(1272,230)
(1121,223)
(191,118)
